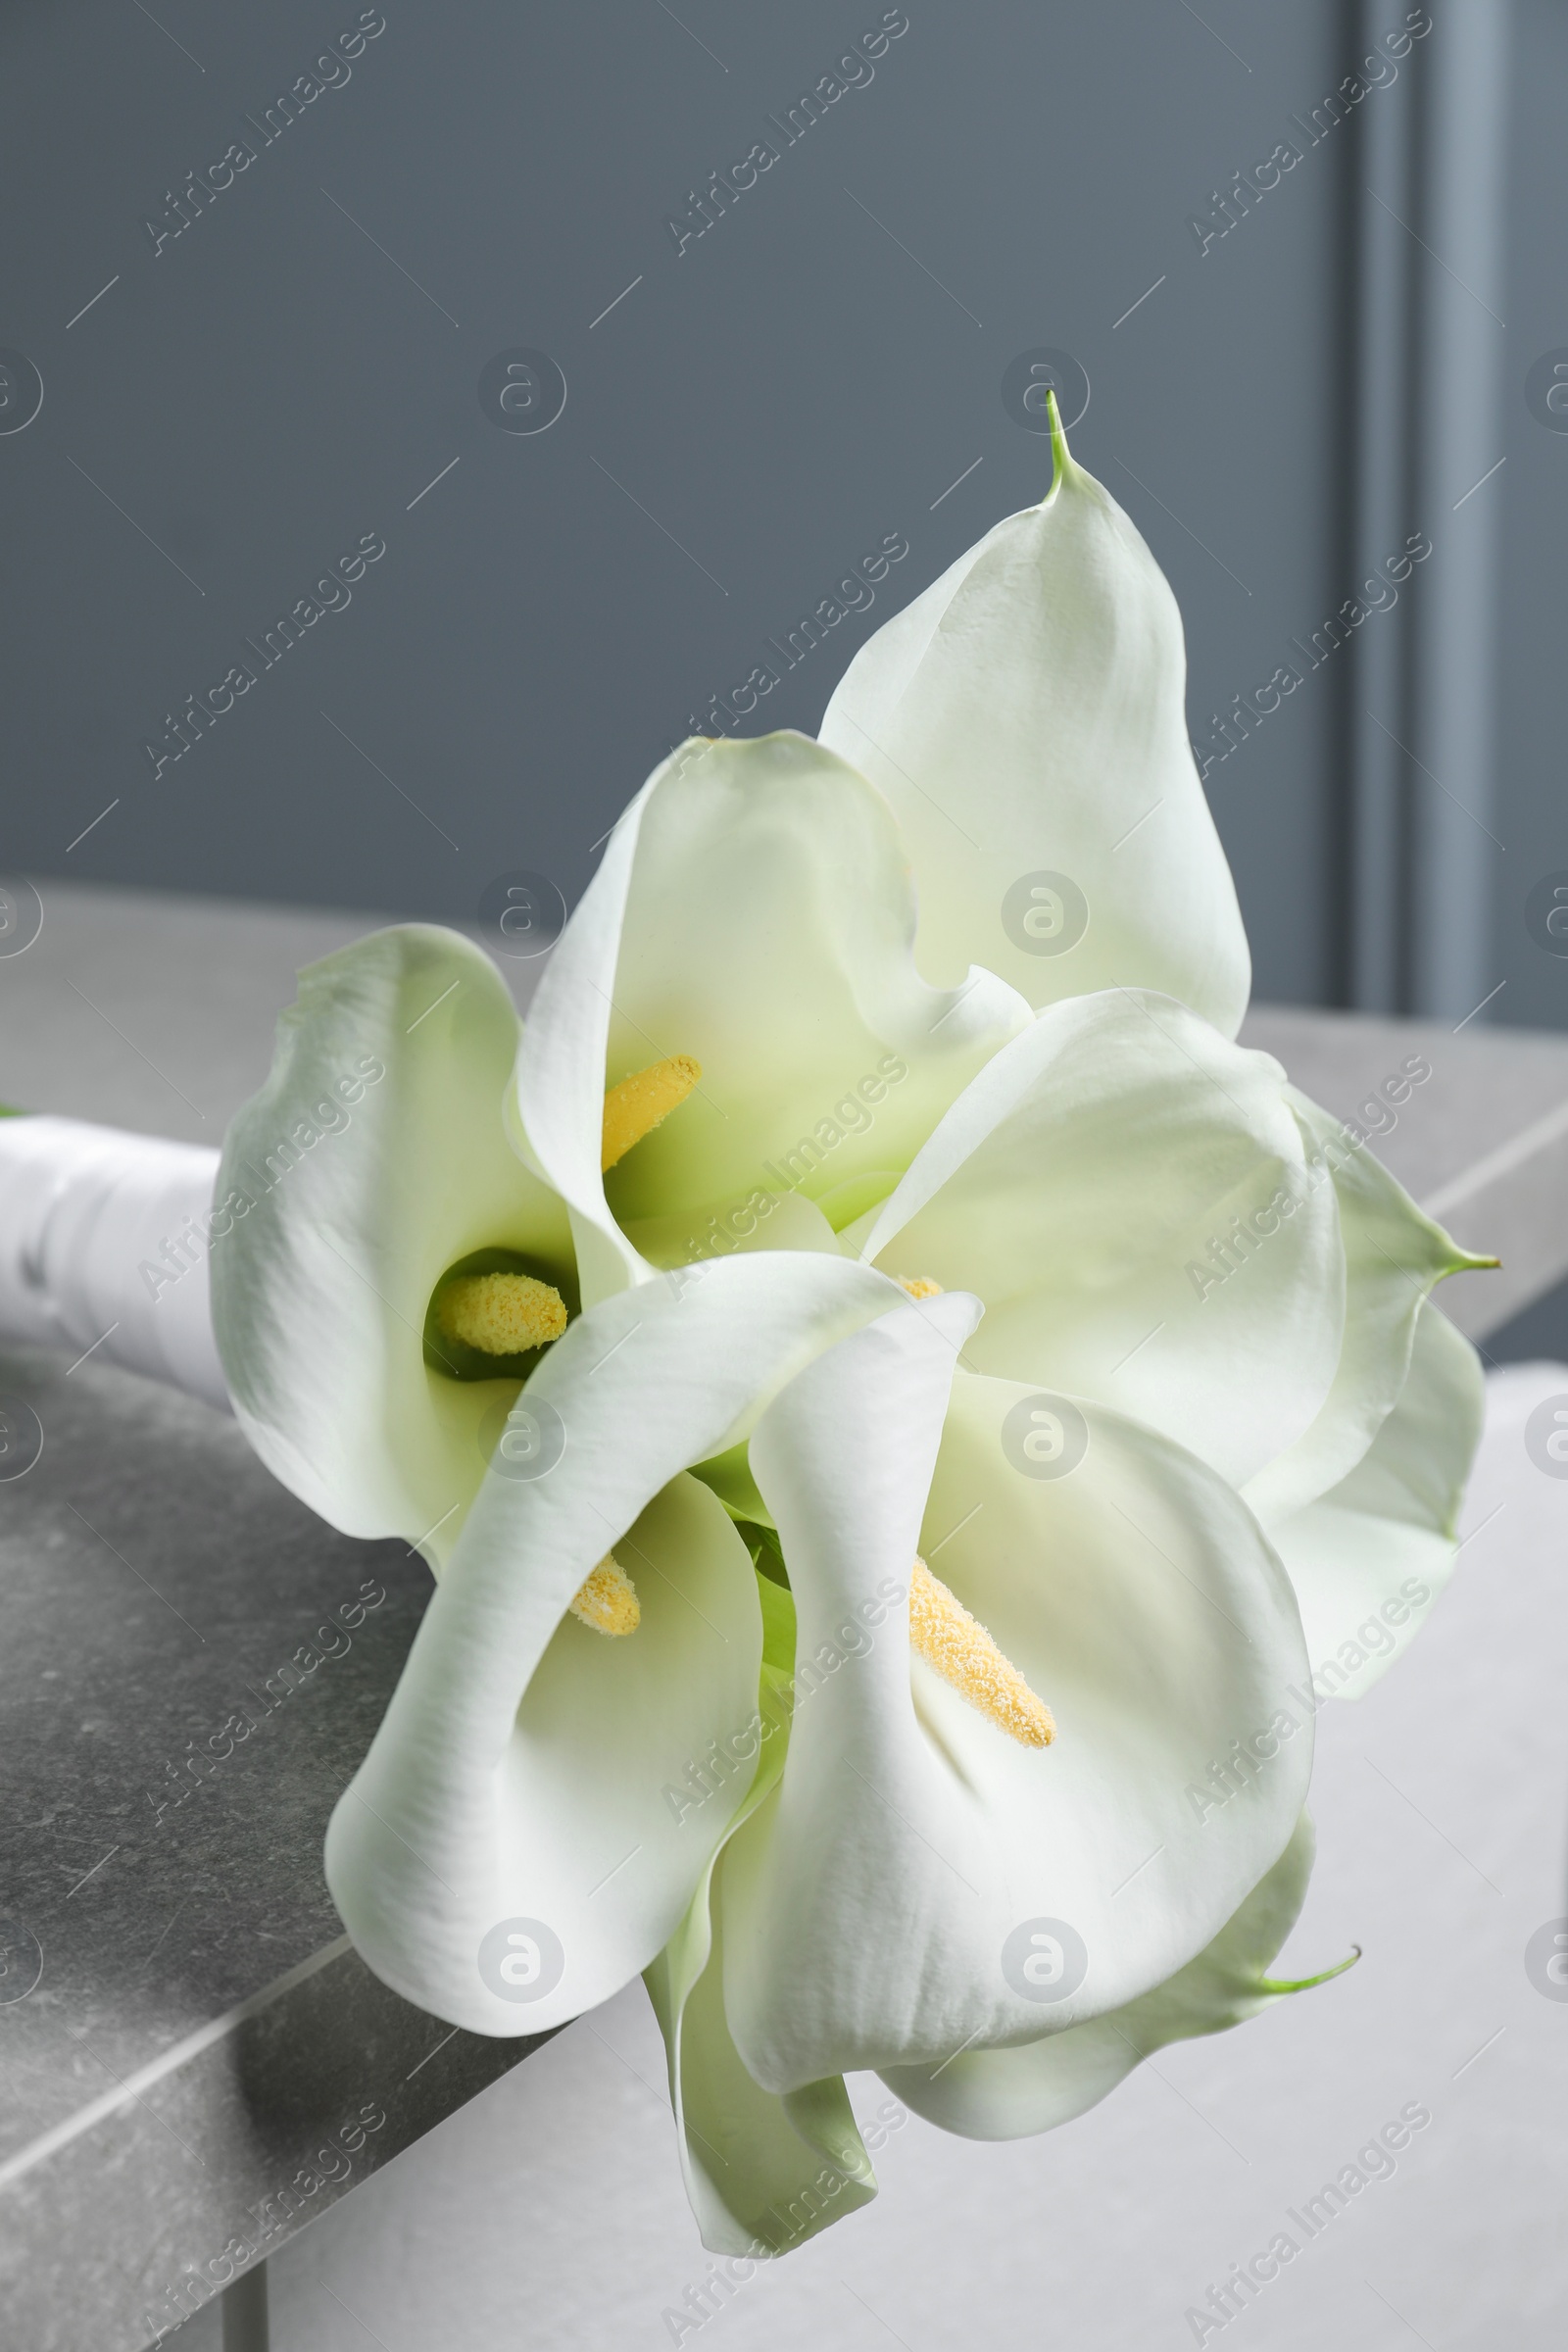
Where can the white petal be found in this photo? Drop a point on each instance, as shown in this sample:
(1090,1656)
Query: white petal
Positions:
(1080,1187)
(764,2173)
(1026,719)
(1393,1255)
(1012,2094)
(395,1061)
(554,1112)
(1369,1558)
(874,1906)
(753,910)
(521,1761)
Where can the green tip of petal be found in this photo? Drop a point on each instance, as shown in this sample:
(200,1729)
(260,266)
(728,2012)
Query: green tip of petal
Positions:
(1306,1984)
(12,1110)
(1061,454)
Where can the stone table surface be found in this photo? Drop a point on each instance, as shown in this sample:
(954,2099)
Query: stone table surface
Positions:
(195,2065)
(194,1667)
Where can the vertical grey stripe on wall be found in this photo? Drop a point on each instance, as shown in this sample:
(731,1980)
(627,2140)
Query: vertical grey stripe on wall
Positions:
(1430,271)
(1382,497)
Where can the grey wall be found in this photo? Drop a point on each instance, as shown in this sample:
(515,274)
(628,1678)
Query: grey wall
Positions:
(757,414)
(1533,588)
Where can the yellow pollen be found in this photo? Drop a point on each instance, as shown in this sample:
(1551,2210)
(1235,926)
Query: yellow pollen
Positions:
(918,1286)
(963,1653)
(501,1314)
(607,1600)
(637,1105)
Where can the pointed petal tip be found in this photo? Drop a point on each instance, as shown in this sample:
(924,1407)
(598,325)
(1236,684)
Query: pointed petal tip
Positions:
(1062,458)
(1277,1985)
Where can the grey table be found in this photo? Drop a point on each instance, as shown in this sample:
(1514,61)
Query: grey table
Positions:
(202,2066)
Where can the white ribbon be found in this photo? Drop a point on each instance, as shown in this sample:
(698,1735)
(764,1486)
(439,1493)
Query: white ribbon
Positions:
(104,1241)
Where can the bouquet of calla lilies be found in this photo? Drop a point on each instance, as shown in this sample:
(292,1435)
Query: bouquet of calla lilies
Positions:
(902,1411)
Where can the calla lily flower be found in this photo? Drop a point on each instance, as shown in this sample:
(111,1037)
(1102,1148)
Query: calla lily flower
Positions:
(908,1419)
(519,1772)
(882,1901)
(1024,718)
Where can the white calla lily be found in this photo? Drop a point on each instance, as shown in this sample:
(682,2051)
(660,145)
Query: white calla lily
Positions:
(1137,1597)
(881,1382)
(753,915)
(374,1161)
(520,1768)
(877,1897)
(1025,718)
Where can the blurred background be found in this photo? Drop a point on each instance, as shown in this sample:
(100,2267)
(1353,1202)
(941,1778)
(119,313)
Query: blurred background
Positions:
(1291,368)
(628,335)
